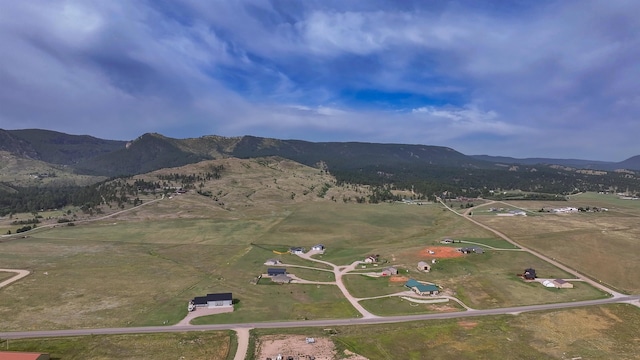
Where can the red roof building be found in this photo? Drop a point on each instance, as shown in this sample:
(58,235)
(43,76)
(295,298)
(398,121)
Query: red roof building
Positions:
(18,355)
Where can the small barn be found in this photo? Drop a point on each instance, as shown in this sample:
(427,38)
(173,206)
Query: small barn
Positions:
(371,259)
(389,271)
(276,271)
(318,247)
(529,274)
(447,241)
(213,300)
(562,284)
(473,249)
(422,289)
(423,266)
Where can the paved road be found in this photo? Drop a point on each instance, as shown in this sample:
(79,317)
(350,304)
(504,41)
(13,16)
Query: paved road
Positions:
(314,323)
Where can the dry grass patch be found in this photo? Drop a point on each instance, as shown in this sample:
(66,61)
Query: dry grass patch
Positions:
(201,345)
(603,247)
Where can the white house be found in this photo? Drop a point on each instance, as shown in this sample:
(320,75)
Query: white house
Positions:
(297,250)
(318,247)
(212,300)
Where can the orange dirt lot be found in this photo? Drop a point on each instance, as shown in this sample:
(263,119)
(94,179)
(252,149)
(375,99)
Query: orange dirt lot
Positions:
(441,252)
(398,278)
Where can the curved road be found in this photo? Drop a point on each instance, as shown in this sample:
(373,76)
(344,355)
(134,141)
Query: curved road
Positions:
(21,274)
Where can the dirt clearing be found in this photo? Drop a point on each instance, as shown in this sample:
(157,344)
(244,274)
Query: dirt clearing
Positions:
(297,346)
(398,278)
(440,252)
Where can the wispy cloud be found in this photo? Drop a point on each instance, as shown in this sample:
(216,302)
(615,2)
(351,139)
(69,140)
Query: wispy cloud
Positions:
(522,79)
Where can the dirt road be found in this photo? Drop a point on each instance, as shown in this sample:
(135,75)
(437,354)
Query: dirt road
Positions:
(21,274)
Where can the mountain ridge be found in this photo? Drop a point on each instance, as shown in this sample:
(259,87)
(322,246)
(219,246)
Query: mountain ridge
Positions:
(151,151)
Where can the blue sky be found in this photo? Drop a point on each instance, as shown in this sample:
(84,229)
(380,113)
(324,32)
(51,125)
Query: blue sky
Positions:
(520,78)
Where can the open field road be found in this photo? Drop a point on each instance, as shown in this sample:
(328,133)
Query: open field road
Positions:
(575,273)
(22,234)
(316,323)
(21,274)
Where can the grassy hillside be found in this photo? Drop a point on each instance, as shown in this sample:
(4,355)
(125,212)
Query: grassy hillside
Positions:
(20,171)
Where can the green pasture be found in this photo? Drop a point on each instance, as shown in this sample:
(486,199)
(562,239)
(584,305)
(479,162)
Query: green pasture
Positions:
(220,345)
(312,275)
(489,280)
(362,286)
(140,271)
(597,332)
(282,302)
(548,335)
(395,305)
(604,245)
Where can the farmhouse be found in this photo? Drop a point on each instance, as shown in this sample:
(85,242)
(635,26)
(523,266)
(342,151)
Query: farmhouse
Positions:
(529,274)
(473,249)
(371,259)
(276,271)
(296,250)
(389,271)
(273,262)
(212,301)
(562,284)
(318,247)
(18,355)
(422,289)
(423,266)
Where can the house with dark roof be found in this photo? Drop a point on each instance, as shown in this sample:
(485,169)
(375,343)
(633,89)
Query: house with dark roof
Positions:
(529,274)
(422,289)
(212,300)
(276,271)
(318,247)
(296,250)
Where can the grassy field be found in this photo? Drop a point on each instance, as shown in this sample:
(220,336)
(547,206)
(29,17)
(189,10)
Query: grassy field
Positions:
(552,335)
(143,268)
(288,302)
(394,305)
(483,281)
(194,345)
(602,332)
(362,286)
(6,275)
(312,275)
(603,245)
